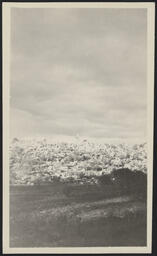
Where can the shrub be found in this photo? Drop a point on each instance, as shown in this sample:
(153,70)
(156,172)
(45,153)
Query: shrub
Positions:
(130,181)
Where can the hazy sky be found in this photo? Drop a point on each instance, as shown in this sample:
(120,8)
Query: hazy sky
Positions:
(78,71)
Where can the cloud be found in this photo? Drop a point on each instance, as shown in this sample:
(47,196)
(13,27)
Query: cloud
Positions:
(78,71)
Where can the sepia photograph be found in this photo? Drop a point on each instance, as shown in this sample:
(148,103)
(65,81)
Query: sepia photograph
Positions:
(78,93)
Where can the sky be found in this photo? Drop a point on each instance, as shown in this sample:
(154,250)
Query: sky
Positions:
(78,72)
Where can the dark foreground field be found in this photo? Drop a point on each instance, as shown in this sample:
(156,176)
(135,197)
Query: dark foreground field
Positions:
(48,216)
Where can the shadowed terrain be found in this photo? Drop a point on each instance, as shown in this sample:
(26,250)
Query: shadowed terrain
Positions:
(76,215)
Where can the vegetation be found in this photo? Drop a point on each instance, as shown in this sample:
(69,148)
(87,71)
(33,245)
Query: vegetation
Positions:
(43,216)
(40,162)
(77,194)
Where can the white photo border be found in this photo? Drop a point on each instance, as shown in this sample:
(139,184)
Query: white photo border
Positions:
(6,8)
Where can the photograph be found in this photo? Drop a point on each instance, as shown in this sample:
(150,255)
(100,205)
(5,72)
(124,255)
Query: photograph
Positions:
(78,106)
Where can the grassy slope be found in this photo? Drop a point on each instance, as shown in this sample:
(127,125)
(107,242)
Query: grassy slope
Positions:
(45,216)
